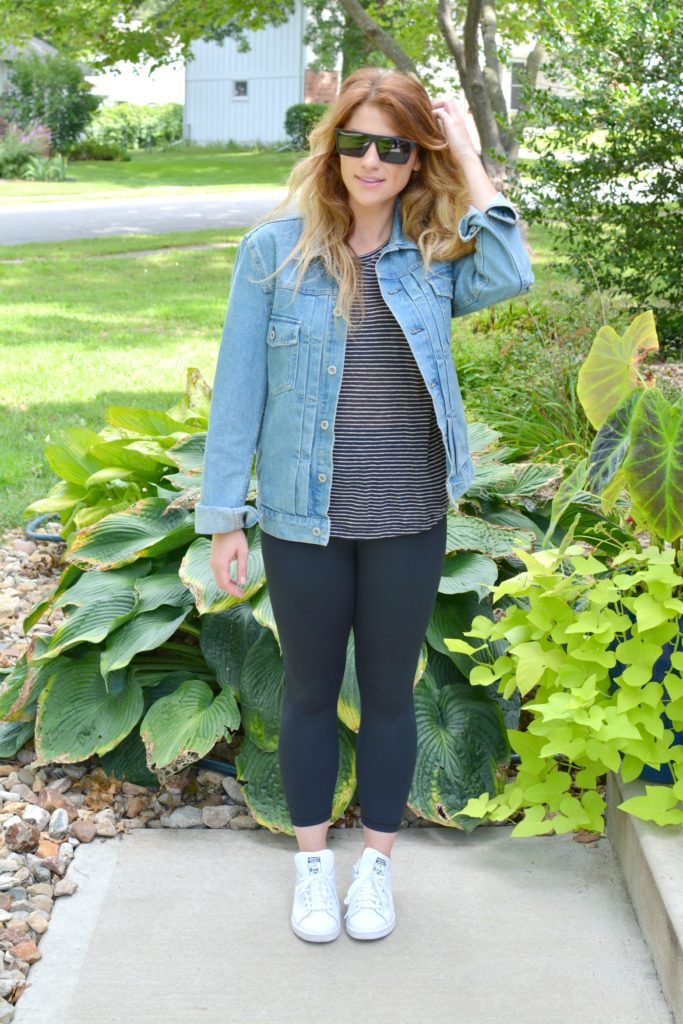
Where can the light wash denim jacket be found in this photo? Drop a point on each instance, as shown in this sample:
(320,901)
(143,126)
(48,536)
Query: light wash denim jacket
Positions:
(281,359)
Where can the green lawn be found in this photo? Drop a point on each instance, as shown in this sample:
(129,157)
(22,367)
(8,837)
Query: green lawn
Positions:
(80,332)
(208,169)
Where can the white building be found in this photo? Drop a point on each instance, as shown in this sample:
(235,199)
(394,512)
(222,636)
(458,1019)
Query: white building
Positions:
(244,97)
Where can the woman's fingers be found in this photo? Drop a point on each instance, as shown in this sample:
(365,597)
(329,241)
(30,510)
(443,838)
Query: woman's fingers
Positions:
(226,549)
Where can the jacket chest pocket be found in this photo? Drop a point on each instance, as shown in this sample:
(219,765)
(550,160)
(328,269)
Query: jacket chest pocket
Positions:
(283,353)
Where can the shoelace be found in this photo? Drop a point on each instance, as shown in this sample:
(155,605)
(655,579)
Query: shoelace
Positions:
(317,892)
(365,891)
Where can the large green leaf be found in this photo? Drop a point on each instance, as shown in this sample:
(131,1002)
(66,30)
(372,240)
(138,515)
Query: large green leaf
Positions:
(263,789)
(163,588)
(526,479)
(146,455)
(146,632)
(480,436)
(149,527)
(90,623)
(195,401)
(79,714)
(473,533)
(67,578)
(197,575)
(564,495)
(451,616)
(13,736)
(610,371)
(93,585)
(22,685)
(348,703)
(611,443)
(128,760)
(468,570)
(142,421)
(70,455)
(262,685)
(461,738)
(182,727)
(654,465)
(188,454)
(224,639)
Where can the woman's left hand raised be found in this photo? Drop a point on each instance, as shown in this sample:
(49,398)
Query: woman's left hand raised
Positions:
(447,112)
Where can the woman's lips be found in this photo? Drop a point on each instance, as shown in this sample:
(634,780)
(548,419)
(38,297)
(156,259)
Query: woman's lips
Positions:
(369,184)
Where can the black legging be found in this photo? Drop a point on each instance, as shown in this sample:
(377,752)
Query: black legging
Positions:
(385,587)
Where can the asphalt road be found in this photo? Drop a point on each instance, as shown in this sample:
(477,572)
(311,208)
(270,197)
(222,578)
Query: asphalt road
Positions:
(46,221)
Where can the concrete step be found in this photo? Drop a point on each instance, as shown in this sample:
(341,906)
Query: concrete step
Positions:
(651,861)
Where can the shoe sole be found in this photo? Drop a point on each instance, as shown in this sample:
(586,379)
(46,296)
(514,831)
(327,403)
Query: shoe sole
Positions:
(372,935)
(314,937)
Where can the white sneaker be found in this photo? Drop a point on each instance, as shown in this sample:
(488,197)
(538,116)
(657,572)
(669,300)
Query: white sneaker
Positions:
(370,901)
(316,915)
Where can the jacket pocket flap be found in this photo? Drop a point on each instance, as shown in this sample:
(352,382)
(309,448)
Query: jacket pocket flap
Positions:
(283,331)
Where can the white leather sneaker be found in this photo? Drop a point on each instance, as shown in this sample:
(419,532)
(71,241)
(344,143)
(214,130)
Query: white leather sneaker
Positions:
(316,915)
(370,900)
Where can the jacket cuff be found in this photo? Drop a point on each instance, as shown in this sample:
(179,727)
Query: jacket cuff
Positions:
(498,207)
(212,519)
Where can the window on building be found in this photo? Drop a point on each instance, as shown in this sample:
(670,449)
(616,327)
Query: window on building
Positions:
(516,85)
(240,89)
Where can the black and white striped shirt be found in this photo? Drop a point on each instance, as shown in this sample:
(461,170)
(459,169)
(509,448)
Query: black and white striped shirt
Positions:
(388,458)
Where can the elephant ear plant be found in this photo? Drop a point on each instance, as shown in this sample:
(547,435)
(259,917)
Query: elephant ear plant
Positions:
(575,619)
(639,441)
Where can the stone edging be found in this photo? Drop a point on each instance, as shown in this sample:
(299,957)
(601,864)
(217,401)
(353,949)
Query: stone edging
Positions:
(651,860)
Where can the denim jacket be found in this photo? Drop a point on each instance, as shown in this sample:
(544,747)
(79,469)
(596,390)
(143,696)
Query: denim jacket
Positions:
(281,359)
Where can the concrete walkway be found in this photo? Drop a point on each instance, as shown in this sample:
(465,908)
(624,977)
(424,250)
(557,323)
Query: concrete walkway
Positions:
(192,927)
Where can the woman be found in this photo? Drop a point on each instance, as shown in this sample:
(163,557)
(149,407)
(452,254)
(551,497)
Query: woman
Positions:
(398,230)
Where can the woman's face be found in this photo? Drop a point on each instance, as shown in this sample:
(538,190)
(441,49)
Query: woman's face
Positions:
(391,178)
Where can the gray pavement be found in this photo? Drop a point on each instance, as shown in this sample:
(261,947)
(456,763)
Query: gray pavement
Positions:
(171,926)
(55,221)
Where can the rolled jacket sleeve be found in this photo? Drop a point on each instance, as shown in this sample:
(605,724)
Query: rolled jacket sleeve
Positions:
(499,268)
(237,402)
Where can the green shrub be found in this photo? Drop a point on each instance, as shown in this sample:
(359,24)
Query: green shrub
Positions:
(134,125)
(300,119)
(53,90)
(45,168)
(90,149)
(18,148)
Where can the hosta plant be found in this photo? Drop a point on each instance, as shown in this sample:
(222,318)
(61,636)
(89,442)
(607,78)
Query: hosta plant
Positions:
(151,665)
(572,619)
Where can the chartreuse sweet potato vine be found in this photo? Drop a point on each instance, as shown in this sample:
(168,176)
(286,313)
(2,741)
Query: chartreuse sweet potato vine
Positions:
(567,627)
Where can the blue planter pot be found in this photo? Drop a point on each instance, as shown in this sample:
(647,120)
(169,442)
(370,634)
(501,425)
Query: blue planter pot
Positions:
(660,668)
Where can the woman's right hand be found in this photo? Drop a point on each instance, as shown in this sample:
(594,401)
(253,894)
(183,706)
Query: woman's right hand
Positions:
(225,548)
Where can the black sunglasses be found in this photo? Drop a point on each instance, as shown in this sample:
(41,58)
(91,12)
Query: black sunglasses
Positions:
(391,149)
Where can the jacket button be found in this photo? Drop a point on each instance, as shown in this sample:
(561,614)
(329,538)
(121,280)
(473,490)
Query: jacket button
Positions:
(433,384)
(316,530)
(337,312)
(331,369)
(324,424)
(322,478)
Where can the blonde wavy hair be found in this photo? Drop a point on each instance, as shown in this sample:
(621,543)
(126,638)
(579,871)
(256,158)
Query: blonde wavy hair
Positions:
(432,201)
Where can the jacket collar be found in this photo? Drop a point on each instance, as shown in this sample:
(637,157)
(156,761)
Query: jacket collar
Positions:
(397,239)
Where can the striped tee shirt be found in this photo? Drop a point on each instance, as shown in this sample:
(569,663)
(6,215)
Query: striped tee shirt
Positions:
(388,457)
